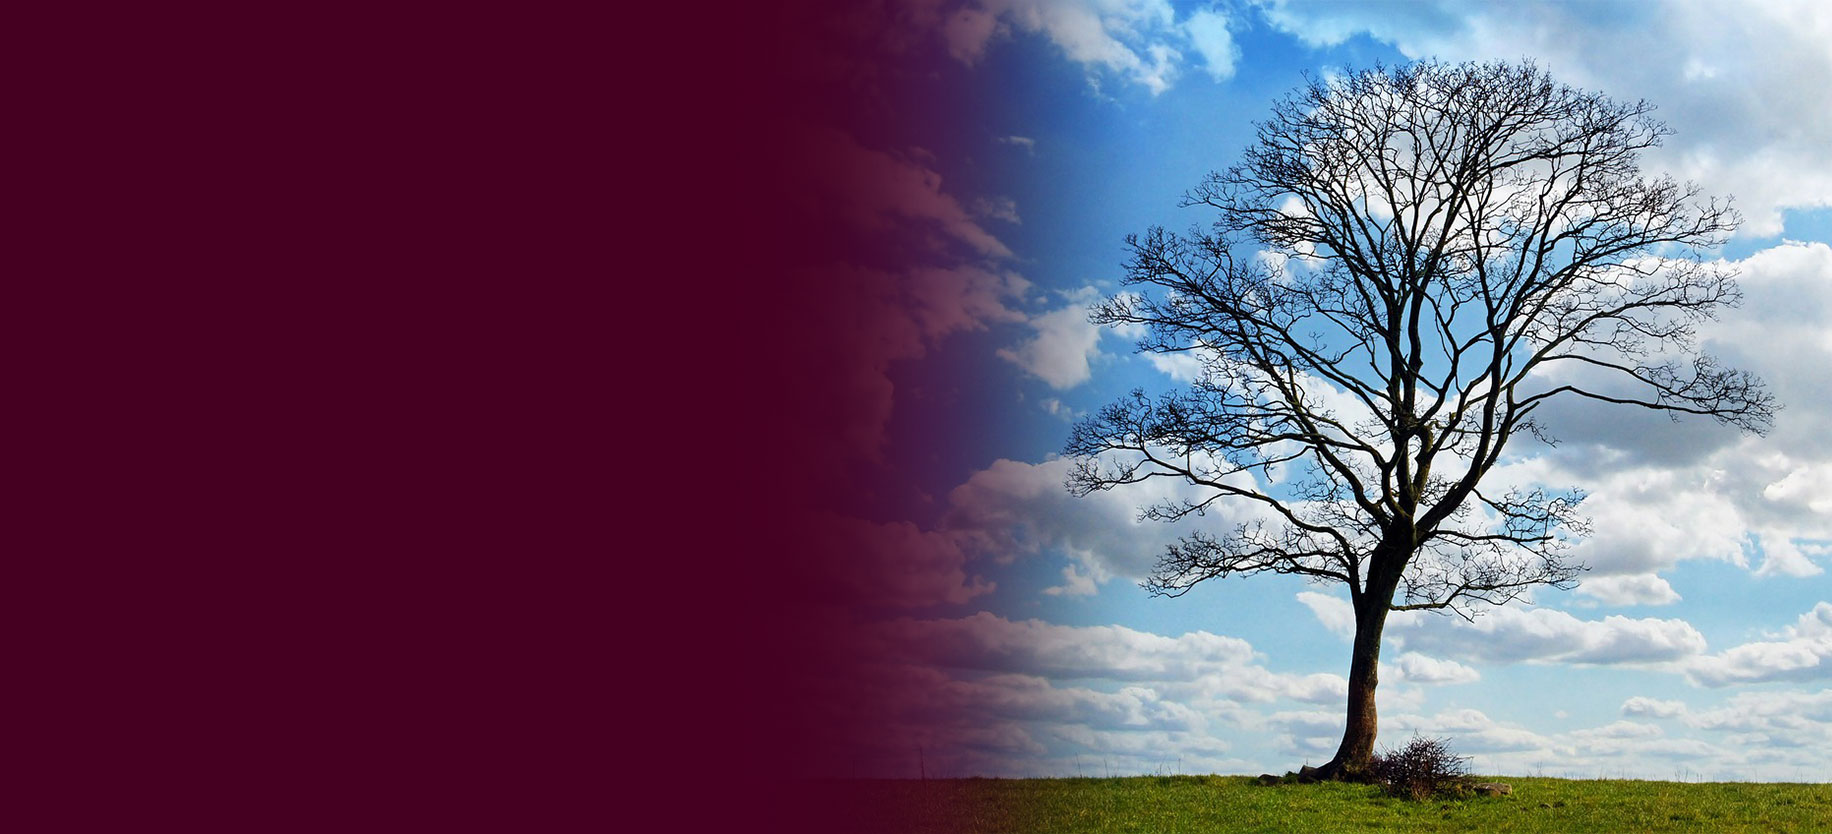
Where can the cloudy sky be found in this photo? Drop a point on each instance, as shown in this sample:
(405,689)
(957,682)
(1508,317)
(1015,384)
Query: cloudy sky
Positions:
(988,156)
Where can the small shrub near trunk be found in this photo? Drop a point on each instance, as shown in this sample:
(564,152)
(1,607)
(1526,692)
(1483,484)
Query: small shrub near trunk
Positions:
(1422,769)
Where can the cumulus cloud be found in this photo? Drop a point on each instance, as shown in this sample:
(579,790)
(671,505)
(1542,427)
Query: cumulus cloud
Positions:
(1473,731)
(1078,581)
(1129,38)
(987,642)
(1063,348)
(1335,613)
(1698,61)
(1024,697)
(1781,556)
(1620,747)
(1618,730)
(1057,408)
(1760,662)
(1257,685)
(1013,509)
(1790,729)
(1524,635)
(1182,367)
(1411,23)
(1010,723)
(1804,653)
(1417,668)
(1771,712)
(1642,589)
(1653,708)
(1663,492)
(1313,733)
(1510,635)
(987,695)
(1139,41)
(1649,518)
(1777,730)
(1208,32)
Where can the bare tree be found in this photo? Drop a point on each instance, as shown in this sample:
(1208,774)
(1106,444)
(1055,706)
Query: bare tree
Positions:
(1407,264)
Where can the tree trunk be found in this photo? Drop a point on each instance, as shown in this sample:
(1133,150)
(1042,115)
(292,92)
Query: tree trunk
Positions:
(1354,758)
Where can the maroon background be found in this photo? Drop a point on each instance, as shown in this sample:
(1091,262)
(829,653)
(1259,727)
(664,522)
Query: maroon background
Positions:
(409,434)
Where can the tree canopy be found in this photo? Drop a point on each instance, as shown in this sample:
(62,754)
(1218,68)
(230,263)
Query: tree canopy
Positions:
(1401,270)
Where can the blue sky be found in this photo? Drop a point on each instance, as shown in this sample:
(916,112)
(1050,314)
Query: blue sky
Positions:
(1698,646)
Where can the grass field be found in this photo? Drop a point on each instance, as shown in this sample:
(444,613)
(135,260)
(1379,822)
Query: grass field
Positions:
(1235,803)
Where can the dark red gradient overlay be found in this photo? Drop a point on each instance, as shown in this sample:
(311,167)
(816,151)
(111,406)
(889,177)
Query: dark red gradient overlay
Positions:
(853,246)
(438,415)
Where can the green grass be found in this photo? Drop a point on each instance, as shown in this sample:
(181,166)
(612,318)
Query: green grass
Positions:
(1235,803)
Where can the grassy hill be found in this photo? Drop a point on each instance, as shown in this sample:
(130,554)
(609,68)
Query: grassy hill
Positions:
(1235,803)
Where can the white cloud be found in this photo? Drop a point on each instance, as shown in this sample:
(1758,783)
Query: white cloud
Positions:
(1417,668)
(1013,509)
(1332,25)
(1772,710)
(991,696)
(1140,41)
(1782,557)
(1310,733)
(1618,730)
(1079,581)
(1545,635)
(988,642)
(1760,662)
(1529,635)
(1774,726)
(1740,82)
(1506,747)
(1639,589)
(1652,517)
(1012,723)
(995,696)
(1662,492)
(1129,38)
(1804,653)
(1335,613)
(1653,708)
(1208,32)
(1060,353)
(1470,731)
(1057,408)
(1182,367)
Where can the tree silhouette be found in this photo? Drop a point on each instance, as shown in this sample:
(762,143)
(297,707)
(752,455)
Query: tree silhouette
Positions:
(1406,265)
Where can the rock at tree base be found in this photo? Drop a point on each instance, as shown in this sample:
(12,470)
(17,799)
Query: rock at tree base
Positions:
(1492,788)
